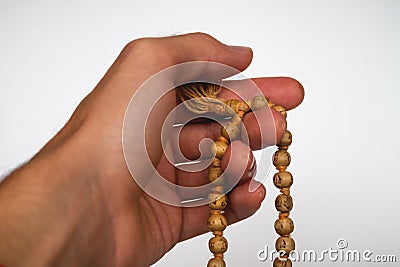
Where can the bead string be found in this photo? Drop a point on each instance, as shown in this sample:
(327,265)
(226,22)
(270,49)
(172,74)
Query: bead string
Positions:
(217,199)
(283,179)
(202,98)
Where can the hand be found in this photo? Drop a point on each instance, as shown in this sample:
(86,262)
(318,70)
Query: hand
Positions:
(76,204)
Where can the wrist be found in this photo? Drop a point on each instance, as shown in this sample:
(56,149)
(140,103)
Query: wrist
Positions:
(50,212)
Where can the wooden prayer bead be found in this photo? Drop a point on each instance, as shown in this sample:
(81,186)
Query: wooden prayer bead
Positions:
(218,189)
(216,163)
(214,173)
(219,148)
(218,244)
(282,263)
(223,139)
(258,102)
(230,131)
(283,179)
(284,227)
(216,262)
(285,243)
(217,222)
(217,201)
(281,158)
(284,203)
(286,139)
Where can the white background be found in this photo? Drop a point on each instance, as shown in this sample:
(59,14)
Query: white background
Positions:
(346,133)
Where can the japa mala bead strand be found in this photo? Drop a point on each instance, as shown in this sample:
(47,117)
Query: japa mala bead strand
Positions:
(217,222)
(283,180)
(202,98)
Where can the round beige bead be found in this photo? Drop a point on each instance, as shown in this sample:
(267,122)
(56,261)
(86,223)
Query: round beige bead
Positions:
(218,189)
(286,139)
(285,243)
(216,163)
(219,148)
(282,263)
(217,222)
(230,131)
(214,173)
(216,262)
(281,158)
(217,201)
(283,179)
(284,203)
(284,226)
(218,245)
(258,102)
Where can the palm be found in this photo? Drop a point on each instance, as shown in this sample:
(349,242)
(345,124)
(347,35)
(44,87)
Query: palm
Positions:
(170,224)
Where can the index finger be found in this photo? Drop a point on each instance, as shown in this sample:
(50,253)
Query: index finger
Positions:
(284,91)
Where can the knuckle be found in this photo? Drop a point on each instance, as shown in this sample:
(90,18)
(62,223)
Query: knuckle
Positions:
(139,46)
(204,36)
(146,49)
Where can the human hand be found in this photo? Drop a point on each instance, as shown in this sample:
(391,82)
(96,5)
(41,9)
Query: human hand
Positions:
(76,204)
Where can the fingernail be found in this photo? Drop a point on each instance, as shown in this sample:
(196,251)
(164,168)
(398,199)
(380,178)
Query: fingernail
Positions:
(240,49)
(254,187)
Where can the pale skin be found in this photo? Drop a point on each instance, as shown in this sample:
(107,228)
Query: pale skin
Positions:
(76,204)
